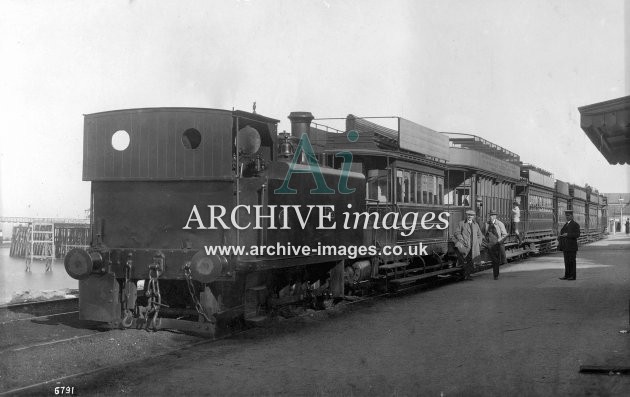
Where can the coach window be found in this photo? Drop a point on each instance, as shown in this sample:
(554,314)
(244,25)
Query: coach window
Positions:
(508,202)
(406,182)
(406,186)
(440,193)
(462,197)
(378,185)
(412,189)
(400,191)
(427,197)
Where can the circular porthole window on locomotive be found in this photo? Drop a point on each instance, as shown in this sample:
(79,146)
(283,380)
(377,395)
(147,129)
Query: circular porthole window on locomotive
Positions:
(120,140)
(191,138)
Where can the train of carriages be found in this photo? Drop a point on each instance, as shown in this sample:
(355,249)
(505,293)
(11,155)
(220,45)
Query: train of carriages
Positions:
(167,183)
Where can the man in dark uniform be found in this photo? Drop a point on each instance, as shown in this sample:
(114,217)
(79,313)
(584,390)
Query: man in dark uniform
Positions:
(569,246)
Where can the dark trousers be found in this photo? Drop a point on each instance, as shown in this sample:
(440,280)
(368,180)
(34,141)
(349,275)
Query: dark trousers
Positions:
(502,260)
(495,269)
(569,264)
(497,257)
(467,263)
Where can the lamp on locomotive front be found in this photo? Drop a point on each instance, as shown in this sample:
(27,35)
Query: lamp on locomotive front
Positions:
(206,268)
(248,140)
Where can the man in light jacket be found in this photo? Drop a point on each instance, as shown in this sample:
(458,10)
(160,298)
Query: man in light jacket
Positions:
(468,239)
(494,233)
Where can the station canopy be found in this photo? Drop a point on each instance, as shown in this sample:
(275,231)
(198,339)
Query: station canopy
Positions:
(607,125)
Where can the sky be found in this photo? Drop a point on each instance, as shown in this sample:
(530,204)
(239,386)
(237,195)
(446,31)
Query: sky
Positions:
(513,72)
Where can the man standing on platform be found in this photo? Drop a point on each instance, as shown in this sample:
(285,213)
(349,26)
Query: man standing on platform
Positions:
(468,239)
(568,245)
(494,233)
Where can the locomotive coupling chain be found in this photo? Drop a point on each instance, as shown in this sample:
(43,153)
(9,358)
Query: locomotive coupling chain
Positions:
(127,268)
(193,293)
(154,301)
(127,320)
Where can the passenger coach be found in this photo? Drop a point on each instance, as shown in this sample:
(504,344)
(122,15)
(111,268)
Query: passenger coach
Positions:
(405,173)
(578,205)
(560,205)
(481,176)
(603,214)
(535,194)
(592,228)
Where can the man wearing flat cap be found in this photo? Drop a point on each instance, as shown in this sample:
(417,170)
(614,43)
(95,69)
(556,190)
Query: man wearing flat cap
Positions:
(567,243)
(494,233)
(468,239)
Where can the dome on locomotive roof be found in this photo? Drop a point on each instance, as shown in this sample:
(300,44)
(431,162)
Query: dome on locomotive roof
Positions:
(248,140)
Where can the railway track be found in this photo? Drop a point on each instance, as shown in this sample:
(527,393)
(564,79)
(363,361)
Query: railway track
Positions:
(93,347)
(40,309)
(40,350)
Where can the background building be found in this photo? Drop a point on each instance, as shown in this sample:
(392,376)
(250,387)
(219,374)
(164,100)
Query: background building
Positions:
(618,207)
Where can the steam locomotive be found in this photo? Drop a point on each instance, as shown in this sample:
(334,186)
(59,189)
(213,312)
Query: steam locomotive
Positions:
(171,187)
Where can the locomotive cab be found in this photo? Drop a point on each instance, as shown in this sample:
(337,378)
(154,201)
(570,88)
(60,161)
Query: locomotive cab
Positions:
(170,163)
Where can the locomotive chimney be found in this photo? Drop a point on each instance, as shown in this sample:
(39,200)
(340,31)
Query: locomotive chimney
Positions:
(300,123)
